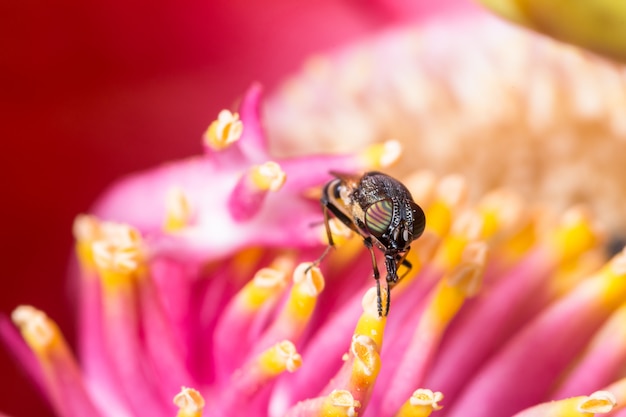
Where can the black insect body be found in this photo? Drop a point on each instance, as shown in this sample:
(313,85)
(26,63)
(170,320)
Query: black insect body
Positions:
(381,210)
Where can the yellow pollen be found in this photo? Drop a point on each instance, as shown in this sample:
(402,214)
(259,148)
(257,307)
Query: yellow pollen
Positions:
(279,358)
(190,403)
(267,283)
(118,254)
(575,234)
(421,404)
(340,403)
(370,324)
(426,397)
(268,176)
(309,280)
(381,155)
(37,329)
(308,284)
(598,402)
(450,194)
(468,274)
(177,210)
(367,361)
(86,228)
(224,131)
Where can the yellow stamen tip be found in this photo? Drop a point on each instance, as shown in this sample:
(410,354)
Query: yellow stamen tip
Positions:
(340,232)
(177,210)
(266,283)
(190,403)
(382,155)
(279,358)
(308,279)
(119,249)
(370,324)
(366,362)
(576,233)
(37,329)
(268,176)
(598,402)
(340,403)
(224,131)
(426,397)
(467,276)
(421,404)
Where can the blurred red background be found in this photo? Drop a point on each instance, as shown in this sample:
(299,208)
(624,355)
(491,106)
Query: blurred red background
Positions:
(92,91)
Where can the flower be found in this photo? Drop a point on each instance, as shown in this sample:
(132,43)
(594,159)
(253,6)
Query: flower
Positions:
(198,275)
(193,288)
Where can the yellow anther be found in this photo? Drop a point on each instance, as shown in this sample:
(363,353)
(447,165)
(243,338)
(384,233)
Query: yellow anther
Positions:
(340,403)
(224,131)
(190,403)
(421,404)
(450,194)
(267,283)
(575,235)
(177,210)
(86,230)
(279,358)
(426,397)
(37,329)
(598,402)
(381,155)
(118,254)
(308,284)
(268,176)
(462,282)
(370,324)
(366,365)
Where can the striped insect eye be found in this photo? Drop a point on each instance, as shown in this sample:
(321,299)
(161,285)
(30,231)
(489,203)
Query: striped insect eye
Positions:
(378,217)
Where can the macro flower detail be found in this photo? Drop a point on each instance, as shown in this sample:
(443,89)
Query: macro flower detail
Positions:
(199,293)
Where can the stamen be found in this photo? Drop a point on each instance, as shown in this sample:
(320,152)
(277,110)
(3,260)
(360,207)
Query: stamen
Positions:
(86,230)
(262,291)
(340,403)
(118,250)
(308,283)
(224,131)
(279,358)
(257,373)
(177,210)
(451,193)
(576,234)
(190,403)
(443,304)
(381,155)
(268,176)
(247,198)
(365,366)
(37,329)
(61,377)
(421,404)
(600,402)
(370,324)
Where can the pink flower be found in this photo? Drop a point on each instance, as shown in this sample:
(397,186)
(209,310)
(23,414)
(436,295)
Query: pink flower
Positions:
(198,274)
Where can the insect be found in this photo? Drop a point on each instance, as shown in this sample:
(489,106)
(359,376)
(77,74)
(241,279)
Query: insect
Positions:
(381,210)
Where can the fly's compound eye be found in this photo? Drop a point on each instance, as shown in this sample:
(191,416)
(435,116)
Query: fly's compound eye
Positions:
(378,217)
(419,220)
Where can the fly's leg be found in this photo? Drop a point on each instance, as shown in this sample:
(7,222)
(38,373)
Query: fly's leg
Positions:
(401,260)
(329,235)
(379,300)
